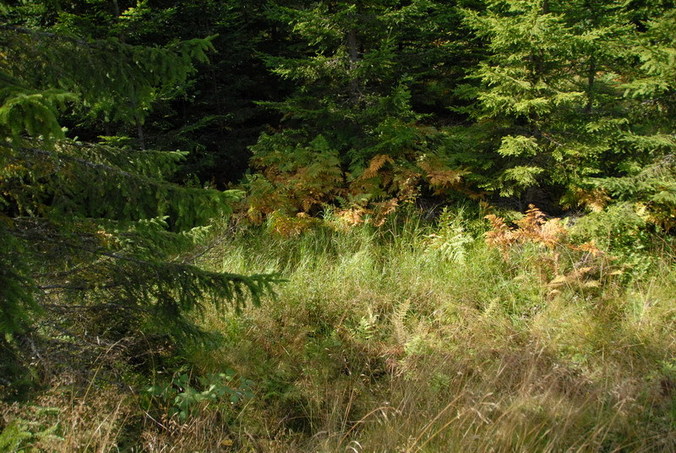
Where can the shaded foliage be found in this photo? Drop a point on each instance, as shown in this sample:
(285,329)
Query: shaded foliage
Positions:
(93,227)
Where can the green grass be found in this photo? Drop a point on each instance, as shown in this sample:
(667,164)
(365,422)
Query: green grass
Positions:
(419,340)
(406,338)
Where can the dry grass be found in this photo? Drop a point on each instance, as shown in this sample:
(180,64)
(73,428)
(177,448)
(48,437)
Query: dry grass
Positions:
(386,346)
(414,341)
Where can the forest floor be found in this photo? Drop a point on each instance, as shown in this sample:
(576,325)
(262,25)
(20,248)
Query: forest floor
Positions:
(407,338)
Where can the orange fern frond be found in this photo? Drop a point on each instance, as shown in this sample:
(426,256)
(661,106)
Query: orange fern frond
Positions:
(375,165)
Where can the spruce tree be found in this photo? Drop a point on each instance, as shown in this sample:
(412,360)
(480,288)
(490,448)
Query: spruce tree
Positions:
(92,232)
(555,114)
(646,175)
(353,132)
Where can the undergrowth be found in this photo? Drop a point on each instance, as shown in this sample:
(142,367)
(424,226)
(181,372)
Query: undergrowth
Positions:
(543,335)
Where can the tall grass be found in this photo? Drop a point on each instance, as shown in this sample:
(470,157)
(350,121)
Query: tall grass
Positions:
(419,339)
(414,338)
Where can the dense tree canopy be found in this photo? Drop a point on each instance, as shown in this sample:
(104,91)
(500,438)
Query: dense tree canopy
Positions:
(565,104)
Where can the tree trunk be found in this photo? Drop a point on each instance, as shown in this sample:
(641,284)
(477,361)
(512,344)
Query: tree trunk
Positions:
(353,49)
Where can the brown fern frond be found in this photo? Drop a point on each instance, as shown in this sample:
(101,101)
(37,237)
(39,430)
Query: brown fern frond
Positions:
(383,210)
(440,176)
(594,199)
(530,224)
(589,247)
(552,233)
(348,218)
(375,165)
(500,235)
(288,226)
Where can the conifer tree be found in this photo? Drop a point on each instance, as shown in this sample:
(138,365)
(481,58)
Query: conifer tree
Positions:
(350,130)
(646,176)
(213,116)
(556,114)
(94,230)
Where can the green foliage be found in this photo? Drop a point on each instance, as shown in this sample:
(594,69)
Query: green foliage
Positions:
(355,86)
(21,435)
(554,334)
(115,80)
(13,436)
(652,188)
(214,115)
(92,232)
(451,240)
(17,303)
(186,397)
(378,326)
(559,112)
(34,112)
(622,230)
(560,93)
